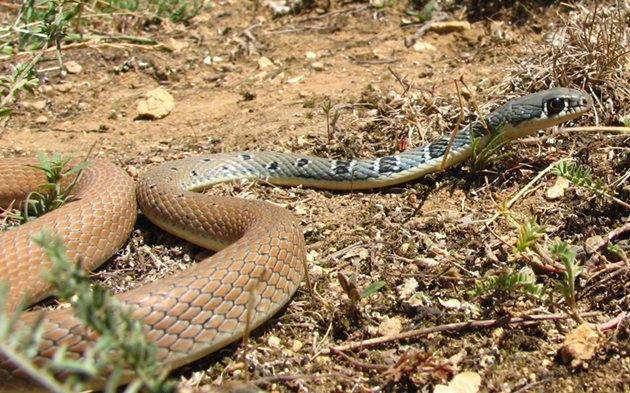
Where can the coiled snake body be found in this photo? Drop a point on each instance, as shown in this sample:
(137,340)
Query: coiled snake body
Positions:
(262,254)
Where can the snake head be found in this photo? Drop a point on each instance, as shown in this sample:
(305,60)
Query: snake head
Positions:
(524,115)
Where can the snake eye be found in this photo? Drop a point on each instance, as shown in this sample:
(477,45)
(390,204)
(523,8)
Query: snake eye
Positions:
(555,106)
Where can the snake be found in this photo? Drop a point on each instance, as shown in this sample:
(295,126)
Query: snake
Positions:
(260,258)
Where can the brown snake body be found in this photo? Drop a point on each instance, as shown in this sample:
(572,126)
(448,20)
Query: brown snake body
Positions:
(261,261)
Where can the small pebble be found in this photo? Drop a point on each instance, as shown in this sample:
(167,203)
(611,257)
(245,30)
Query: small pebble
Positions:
(264,62)
(421,46)
(64,87)
(157,104)
(317,66)
(73,67)
(41,119)
(295,80)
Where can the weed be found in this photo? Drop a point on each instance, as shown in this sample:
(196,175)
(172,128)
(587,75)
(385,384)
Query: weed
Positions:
(529,233)
(119,333)
(426,13)
(581,176)
(523,281)
(121,345)
(482,155)
(56,191)
(39,25)
(331,121)
(561,251)
(178,10)
(21,344)
(349,286)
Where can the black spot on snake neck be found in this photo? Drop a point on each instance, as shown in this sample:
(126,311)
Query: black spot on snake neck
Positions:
(246,157)
(438,148)
(273,166)
(302,162)
(341,167)
(388,164)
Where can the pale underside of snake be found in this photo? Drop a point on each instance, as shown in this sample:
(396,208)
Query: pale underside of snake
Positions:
(260,247)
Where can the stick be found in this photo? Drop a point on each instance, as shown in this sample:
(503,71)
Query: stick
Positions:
(451,327)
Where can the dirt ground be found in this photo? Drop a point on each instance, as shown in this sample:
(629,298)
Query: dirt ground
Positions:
(244,79)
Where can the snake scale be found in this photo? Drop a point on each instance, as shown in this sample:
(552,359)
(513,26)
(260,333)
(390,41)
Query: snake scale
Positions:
(260,247)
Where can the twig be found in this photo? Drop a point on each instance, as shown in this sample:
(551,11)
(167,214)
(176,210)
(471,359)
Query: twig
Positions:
(359,8)
(402,80)
(343,251)
(455,129)
(451,327)
(358,363)
(520,193)
(532,385)
(608,238)
(623,130)
(613,323)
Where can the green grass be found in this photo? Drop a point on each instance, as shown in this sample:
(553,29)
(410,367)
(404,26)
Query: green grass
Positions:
(55,192)
(121,349)
(40,25)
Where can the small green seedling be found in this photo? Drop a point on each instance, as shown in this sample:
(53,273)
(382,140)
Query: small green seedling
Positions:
(56,191)
(349,286)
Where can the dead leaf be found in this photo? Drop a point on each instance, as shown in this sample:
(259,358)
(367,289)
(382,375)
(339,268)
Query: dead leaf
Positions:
(579,345)
(450,303)
(407,289)
(557,190)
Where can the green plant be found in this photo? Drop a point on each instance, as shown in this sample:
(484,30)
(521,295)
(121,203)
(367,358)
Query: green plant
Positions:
(331,121)
(617,250)
(178,10)
(56,191)
(37,26)
(581,176)
(21,78)
(529,233)
(523,281)
(482,155)
(120,350)
(426,13)
(349,286)
(561,251)
(42,24)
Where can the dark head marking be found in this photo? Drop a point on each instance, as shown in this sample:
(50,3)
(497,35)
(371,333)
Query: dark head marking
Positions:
(302,162)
